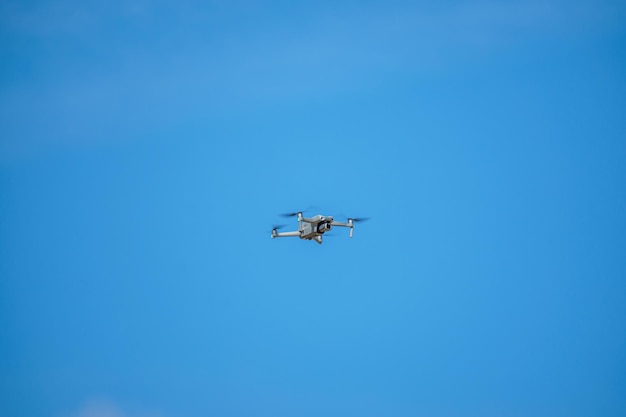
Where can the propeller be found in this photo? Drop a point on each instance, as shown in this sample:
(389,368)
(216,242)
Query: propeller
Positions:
(290,214)
(359,219)
(355,219)
(276,228)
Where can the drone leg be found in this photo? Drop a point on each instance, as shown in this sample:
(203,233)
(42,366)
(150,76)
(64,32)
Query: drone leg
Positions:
(318,239)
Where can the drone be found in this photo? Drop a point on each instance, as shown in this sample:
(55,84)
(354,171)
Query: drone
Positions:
(313,228)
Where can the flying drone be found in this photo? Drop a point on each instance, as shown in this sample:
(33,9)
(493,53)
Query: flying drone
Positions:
(313,228)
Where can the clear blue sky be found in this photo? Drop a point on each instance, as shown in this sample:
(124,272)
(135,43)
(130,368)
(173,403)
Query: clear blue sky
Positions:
(146,149)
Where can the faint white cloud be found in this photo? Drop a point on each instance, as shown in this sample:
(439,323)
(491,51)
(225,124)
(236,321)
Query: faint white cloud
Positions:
(104,408)
(99,409)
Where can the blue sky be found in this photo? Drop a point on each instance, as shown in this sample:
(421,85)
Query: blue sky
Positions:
(146,149)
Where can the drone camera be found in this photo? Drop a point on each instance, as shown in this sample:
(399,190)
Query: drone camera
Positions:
(323,227)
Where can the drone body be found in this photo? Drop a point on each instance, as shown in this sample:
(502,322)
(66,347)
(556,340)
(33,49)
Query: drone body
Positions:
(313,228)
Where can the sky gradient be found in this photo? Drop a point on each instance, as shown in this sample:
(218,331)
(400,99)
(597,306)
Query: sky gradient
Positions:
(147,148)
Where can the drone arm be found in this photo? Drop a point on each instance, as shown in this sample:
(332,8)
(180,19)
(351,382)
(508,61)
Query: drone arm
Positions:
(350,224)
(285,234)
